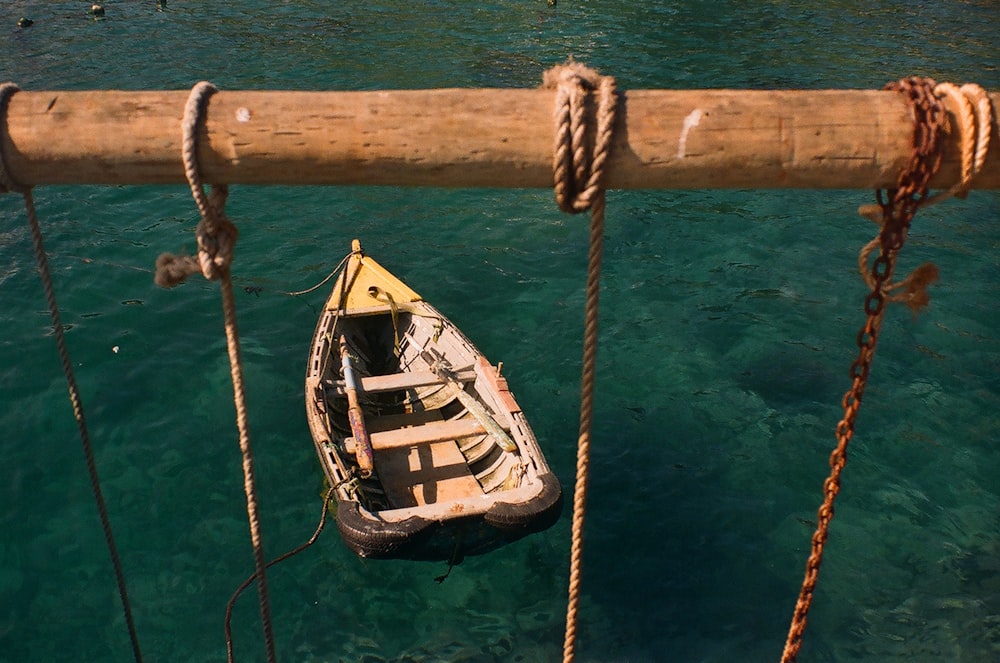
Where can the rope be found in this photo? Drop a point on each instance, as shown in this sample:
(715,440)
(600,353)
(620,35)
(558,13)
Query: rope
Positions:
(975,127)
(216,239)
(897,210)
(216,235)
(578,177)
(336,270)
(975,124)
(7,183)
(291,553)
(579,185)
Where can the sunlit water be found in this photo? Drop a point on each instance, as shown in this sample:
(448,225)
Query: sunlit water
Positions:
(727,331)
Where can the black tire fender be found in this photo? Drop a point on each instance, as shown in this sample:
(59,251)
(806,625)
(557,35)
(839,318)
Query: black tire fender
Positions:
(377,539)
(538,514)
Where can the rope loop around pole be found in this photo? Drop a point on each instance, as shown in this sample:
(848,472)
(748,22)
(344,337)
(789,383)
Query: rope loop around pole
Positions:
(7,183)
(215,234)
(578,171)
(974,111)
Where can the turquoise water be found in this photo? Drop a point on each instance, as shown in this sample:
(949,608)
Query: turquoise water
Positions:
(728,326)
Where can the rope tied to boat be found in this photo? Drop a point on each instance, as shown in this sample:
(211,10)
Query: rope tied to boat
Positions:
(216,239)
(216,235)
(291,553)
(8,184)
(897,207)
(582,146)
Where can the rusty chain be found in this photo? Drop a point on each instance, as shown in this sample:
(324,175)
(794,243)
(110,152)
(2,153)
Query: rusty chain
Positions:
(898,208)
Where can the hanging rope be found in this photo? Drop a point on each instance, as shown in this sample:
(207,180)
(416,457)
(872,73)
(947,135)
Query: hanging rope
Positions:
(7,90)
(216,239)
(579,185)
(898,207)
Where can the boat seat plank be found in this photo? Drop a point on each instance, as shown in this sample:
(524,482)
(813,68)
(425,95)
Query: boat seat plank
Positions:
(384,422)
(436,431)
(427,474)
(399,381)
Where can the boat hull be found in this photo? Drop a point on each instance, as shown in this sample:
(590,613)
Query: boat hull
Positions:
(452,539)
(457,469)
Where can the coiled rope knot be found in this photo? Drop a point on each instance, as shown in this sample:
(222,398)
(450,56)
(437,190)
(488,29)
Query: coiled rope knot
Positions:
(974,111)
(216,235)
(579,171)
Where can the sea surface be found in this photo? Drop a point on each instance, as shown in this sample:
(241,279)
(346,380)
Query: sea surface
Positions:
(728,324)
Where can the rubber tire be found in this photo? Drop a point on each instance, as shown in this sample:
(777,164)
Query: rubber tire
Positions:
(534,516)
(377,539)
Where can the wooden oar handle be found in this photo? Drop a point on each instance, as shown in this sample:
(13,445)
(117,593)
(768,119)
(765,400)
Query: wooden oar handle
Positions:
(355,416)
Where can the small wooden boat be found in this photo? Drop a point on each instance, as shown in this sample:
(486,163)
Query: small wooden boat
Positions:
(430,454)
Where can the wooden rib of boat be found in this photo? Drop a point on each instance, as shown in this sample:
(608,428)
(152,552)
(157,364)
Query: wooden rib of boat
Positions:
(431,456)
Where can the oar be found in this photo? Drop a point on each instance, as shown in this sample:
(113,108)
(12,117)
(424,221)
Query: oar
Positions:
(362,444)
(484,417)
(472,405)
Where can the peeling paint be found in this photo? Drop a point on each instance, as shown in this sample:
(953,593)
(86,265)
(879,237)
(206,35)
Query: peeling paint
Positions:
(690,122)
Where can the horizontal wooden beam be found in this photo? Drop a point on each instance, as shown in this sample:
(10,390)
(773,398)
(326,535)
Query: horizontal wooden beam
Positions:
(665,139)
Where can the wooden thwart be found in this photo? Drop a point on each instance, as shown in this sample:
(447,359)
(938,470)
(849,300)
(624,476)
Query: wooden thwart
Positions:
(430,432)
(665,139)
(399,381)
(384,422)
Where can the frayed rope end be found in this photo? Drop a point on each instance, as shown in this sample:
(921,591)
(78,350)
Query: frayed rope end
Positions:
(173,270)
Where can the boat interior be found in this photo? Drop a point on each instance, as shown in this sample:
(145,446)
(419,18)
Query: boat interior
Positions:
(428,447)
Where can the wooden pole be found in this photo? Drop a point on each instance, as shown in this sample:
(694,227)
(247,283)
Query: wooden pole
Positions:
(665,139)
